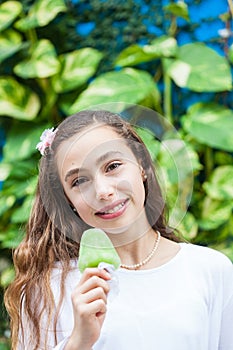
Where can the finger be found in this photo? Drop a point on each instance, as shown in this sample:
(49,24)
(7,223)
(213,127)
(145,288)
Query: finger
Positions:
(89,272)
(94,294)
(93,282)
(97,307)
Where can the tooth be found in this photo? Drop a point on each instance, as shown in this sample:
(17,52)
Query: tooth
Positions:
(116,208)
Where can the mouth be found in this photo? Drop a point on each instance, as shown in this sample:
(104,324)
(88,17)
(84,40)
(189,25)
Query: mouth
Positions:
(114,210)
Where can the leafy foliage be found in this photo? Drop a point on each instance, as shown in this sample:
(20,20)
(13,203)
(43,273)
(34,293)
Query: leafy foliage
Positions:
(41,83)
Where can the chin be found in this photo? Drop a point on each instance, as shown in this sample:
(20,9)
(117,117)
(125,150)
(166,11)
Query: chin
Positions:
(116,230)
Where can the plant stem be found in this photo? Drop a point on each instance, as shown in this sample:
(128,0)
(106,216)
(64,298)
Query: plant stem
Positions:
(32,37)
(173,27)
(209,161)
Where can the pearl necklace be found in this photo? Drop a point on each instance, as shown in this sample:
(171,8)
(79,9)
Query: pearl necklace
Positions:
(148,258)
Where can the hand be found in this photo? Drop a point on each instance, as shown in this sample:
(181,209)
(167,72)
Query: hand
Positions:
(89,301)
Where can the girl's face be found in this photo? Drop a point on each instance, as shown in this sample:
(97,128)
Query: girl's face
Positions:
(102,179)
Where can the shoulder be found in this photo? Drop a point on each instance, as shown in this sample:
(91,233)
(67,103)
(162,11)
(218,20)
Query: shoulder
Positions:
(210,268)
(207,258)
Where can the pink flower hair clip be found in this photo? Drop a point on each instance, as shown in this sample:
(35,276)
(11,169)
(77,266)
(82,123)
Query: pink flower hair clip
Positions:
(46,140)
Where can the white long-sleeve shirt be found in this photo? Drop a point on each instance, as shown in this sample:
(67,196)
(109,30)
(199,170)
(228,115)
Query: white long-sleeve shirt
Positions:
(185,304)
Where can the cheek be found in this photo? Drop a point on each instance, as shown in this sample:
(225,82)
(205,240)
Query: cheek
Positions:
(124,185)
(81,205)
(133,186)
(80,198)
(86,213)
(84,208)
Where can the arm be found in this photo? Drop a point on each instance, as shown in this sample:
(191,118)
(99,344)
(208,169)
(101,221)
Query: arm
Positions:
(88,301)
(226,333)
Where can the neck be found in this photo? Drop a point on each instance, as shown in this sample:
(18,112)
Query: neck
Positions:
(127,236)
(138,249)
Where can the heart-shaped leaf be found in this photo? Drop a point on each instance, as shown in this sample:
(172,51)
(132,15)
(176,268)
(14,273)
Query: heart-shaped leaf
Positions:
(21,214)
(128,85)
(210,124)
(220,185)
(41,13)
(6,202)
(188,226)
(214,213)
(200,69)
(76,68)
(9,10)
(178,9)
(17,101)
(10,43)
(161,47)
(150,141)
(42,64)
(4,171)
(22,145)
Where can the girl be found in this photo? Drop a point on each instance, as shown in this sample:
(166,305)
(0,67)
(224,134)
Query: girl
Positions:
(96,172)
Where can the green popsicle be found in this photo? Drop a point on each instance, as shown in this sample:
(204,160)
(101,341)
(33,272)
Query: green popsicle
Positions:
(96,247)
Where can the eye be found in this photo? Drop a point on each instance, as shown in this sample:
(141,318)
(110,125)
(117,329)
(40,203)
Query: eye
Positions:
(113,166)
(79,181)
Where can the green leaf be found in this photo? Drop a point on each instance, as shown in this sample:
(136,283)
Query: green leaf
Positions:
(21,214)
(176,160)
(161,47)
(41,13)
(193,157)
(178,9)
(12,237)
(149,140)
(223,158)
(220,185)
(128,85)
(7,276)
(174,168)
(22,187)
(6,202)
(210,124)
(76,68)
(9,10)
(4,171)
(200,69)
(42,64)
(188,226)
(214,213)
(16,100)
(164,46)
(22,145)
(5,345)
(132,56)
(10,43)
(21,170)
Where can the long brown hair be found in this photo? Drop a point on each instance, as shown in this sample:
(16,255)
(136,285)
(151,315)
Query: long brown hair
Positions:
(53,230)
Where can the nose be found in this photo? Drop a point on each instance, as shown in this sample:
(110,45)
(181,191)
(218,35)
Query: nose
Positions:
(104,188)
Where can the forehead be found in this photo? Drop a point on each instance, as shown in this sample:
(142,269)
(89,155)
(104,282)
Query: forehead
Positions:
(86,146)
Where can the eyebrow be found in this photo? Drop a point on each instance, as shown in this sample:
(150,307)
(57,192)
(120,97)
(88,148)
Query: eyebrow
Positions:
(108,155)
(99,160)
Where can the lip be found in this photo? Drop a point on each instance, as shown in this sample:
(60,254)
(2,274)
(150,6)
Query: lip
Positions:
(116,212)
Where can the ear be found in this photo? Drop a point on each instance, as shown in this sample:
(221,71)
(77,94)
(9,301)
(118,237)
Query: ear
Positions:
(143,173)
